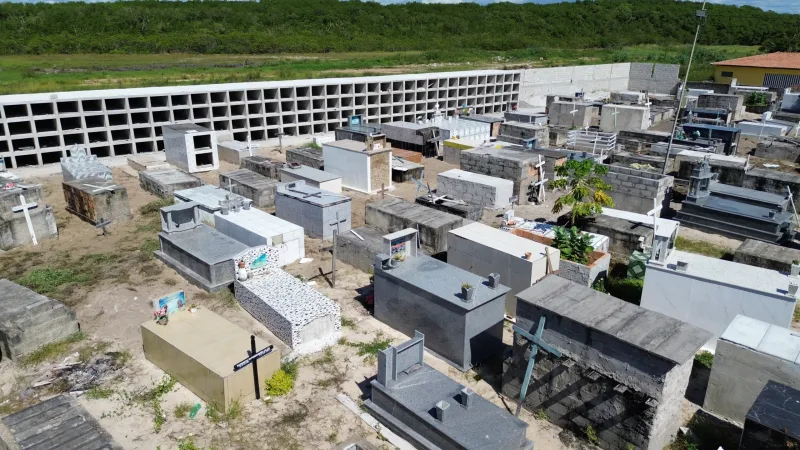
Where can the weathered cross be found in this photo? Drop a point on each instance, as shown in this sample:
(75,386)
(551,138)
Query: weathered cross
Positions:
(97,189)
(573,112)
(540,196)
(252,359)
(103,223)
(537,341)
(230,185)
(24,207)
(615,117)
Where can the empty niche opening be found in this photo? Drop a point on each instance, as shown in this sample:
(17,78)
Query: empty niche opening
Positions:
(160,116)
(101,151)
(384,110)
(420,96)
(158,102)
(68,107)
(319,116)
(15,111)
(120,135)
(332,89)
(95,121)
(409,96)
(199,99)
(422,84)
(397,118)
(26,160)
(73,139)
(236,96)
(271,108)
(344,123)
(347,89)
(4,148)
(49,141)
(317,91)
(372,100)
(451,104)
(490,79)
(346,113)
(332,102)
(409,107)
(290,131)
(384,87)
(202,141)
(272,133)
(145,147)
(373,88)
(180,100)
(160,145)
(218,97)
(431,95)
(319,128)
(332,126)
(200,113)
(123,149)
(273,121)
(481,90)
(70,123)
(140,118)
(158,131)
(241,136)
(219,111)
(288,119)
(137,102)
(97,137)
(385,98)
(397,97)
(8,161)
(221,125)
(361,112)
(287,106)
(180,114)
(420,107)
(257,135)
(256,122)
(303,129)
(19,128)
(318,104)
(115,104)
(410,118)
(397,109)
(333,115)
(287,93)
(253,95)
(360,88)
(114,120)
(302,118)
(237,110)
(386,119)
(303,105)
(303,91)
(51,157)
(347,102)
(42,109)
(254,108)
(238,124)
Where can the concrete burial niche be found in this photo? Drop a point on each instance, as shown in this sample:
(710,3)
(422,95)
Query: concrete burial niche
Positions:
(191,147)
(146,162)
(262,166)
(256,187)
(211,199)
(313,177)
(362,168)
(96,200)
(508,163)
(623,370)
(750,353)
(614,118)
(22,209)
(58,423)
(320,213)
(200,349)
(570,114)
(422,293)
(164,182)
(528,135)
(394,214)
(484,250)
(254,227)
(307,156)
(432,411)
(473,188)
(710,292)
(29,320)
(635,190)
(198,252)
(773,422)
(451,206)
(296,313)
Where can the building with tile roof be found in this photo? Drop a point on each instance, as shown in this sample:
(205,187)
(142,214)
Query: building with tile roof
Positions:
(775,70)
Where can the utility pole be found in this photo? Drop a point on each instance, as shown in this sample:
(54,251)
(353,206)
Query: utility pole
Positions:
(701,19)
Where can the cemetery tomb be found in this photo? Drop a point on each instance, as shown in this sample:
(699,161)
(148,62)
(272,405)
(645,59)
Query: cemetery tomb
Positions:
(623,117)
(773,422)
(29,320)
(599,242)
(403,170)
(145,162)
(636,190)
(484,250)
(452,148)
(195,250)
(262,166)
(394,214)
(233,151)
(601,362)
(709,292)
(451,206)
(307,156)
(408,155)
(527,115)
(417,292)
(359,251)
(191,147)
(433,411)
(81,165)
(296,313)
(211,199)
(164,182)
(509,163)
(767,256)
(570,114)
(316,178)
(473,188)
(96,200)
(728,135)
(728,169)
(254,227)
(528,135)
(24,218)
(249,184)
(320,213)
(201,348)
(57,423)
(363,167)
(748,354)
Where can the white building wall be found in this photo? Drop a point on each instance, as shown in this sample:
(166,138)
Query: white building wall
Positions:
(351,166)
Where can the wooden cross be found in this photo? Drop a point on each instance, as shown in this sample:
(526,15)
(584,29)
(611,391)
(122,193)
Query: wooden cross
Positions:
(102,223)
(254,356)
(97,189)
(537,341)
(24,207)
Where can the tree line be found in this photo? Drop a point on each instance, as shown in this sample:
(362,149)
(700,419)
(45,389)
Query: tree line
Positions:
(319,26)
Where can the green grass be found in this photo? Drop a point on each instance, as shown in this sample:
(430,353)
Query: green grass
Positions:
(154,207)
(182,410)
(97,393)
(703,248)
(705,359)
(53,350)
(235,411)
(372,347)
(348,322)
(282,381)
(47,280)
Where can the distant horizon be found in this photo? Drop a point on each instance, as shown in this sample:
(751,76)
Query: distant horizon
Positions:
(779,6)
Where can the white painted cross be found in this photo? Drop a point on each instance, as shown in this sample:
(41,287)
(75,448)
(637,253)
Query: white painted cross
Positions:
(24,207)
(540,197)
(230,186)
(97,189)
(615,117)
(250,145)
(573,112)
(654,212)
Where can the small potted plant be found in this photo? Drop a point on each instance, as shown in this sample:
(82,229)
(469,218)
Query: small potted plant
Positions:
(399,257)
(466,291)
(161,318)
(795,268)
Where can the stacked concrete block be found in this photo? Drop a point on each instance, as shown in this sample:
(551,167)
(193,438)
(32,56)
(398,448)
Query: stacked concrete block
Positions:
(164,182)
(458,208)
(81,165)
(783,149)
(95,200)
(635,190)
(730,170)
(627,97)
(773,181)
(661,78)
(262,166)
(29,320)
(256,187)
(615,118)
(319,212)
(211,199)
(515,165)
(359,247)
(570,114)
(526,115)
(520,133)
(637,140)
(625,236)
(307,156)
(316,178)
(734,103)
(476,189)
(766,255)
(394,214)
(17,205)
(233,151)
(622,370)
(538,83)
(191,147)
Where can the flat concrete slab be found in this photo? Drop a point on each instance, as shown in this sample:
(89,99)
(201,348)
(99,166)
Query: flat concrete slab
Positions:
(209,199)
(256,187)
(307,156)
(164,182)
(254,227)
(58,423)
(261,165)
(394,214)
(95,199)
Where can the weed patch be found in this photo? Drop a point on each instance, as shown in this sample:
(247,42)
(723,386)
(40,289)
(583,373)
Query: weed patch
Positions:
(97,393)
(48,280)
(349,323)
(155,206)
(234,412)
(703,248)
(53,350)
(294,417)
(705,359)
(182,410)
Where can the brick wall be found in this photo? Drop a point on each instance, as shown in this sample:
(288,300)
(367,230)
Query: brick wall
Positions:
(634,190)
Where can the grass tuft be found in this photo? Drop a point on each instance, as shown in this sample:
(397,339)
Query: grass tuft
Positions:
(155,206)
(703,248)
(183,409)
(52,350)
(48,280)
(97,393)
(705,359)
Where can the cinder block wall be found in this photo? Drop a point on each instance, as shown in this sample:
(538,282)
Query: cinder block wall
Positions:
(784,151)
(521,131)
(517,171)
(634,190)
(624,236)
(766,255)
(538,83)
(773,181)
(488,192)
(733,102)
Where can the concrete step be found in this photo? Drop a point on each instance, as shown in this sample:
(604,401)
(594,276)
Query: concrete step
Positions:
(56,310)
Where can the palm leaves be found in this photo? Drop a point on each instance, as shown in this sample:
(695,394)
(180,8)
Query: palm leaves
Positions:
(586,190)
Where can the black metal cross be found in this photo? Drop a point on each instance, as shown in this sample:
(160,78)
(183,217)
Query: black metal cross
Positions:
(254,356)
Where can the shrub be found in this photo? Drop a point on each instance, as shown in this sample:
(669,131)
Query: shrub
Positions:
(282,381)
(573,245)
(705,359)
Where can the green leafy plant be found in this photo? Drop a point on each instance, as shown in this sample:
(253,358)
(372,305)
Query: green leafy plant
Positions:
(600,286)
(573,245)
(705,359)
(591,434)
(756,99)
(795,262)
(586,190)
(466,286)
(282,381)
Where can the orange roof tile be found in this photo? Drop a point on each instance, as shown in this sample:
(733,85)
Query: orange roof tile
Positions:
(780,60)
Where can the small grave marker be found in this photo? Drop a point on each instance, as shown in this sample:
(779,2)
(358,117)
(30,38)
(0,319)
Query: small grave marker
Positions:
(254,356)
(24,207)
(102,223)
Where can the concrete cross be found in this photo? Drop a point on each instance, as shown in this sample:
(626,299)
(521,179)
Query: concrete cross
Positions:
(97,189)
(537,342)
(103,223)
(230,185)
(24,207)
(615,117)
(540,196)
(573,112)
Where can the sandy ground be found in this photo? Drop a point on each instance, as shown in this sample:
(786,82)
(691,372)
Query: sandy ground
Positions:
(111,311)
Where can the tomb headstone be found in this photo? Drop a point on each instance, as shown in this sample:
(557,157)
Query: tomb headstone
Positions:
(394,214)
(211,199)
(307,156)
(359,246)
(319,212)
(93,199)
(262,166)
(24,218)
(363,166)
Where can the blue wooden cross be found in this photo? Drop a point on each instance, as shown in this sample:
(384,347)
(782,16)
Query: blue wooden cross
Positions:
(537,341)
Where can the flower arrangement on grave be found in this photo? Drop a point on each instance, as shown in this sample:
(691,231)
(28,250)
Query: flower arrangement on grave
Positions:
(399,257)
(160,315)
(466,291)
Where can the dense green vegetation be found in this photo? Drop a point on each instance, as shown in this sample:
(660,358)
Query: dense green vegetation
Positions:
(319,26)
